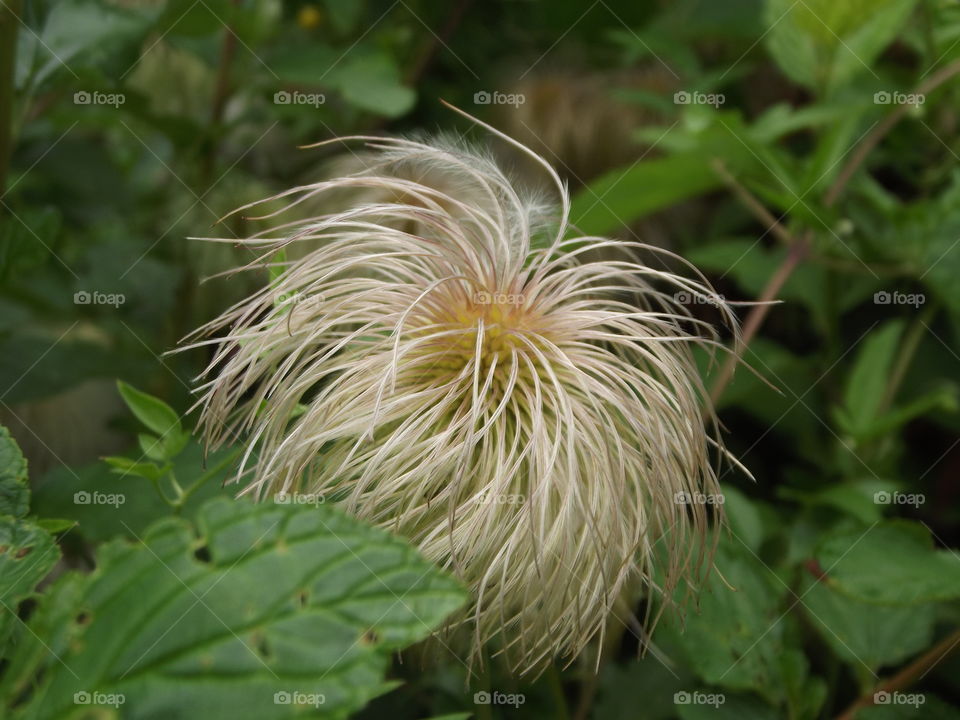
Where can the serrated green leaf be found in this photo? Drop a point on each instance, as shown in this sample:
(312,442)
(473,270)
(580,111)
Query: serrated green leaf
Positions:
(738,634)
(14,494)
(891,563)
(151,411)
(26,555)
(865,635)
(262,607)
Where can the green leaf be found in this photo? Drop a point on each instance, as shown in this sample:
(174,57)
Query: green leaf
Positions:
(910,704)
(128,467)
(27,554)
(14,493)
(743,517)
(734,707)
(55,491)
(824,44)
(372,82)
(867,384)
(857,498)
(258,606)
(74,28)
(622,196)
(864,634)
(739,634)
(650,678)
(344,14)
(892,563)
(151,411)
(162,448)
(27,551)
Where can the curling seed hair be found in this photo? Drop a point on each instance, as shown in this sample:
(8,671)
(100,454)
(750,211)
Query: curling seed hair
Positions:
(447,359)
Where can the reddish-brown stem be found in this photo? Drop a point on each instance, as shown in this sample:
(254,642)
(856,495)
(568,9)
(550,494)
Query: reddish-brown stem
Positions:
(912,672)
(883,127)
(795,255)
(800,247)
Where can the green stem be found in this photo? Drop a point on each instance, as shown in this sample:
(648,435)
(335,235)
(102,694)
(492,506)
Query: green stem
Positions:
(481,711)
(556,689)
(908,348)
(200,481)
(9,25)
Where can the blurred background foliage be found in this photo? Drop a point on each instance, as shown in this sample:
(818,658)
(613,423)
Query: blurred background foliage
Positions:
(823,173)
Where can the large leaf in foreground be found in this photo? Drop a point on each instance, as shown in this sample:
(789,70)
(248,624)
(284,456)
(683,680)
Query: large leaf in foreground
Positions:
(27,552)
(264,607)
(893,563)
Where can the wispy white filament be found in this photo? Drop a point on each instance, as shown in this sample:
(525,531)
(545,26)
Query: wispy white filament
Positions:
(448,361)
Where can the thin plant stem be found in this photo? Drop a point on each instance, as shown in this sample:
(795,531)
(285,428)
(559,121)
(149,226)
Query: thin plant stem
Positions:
(800,247)
(910,674)
(9,26)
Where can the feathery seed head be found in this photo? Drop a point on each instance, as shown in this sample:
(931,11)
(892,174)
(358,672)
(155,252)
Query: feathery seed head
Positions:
(453,364)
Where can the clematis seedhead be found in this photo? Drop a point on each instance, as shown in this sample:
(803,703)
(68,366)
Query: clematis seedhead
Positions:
(444,356)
